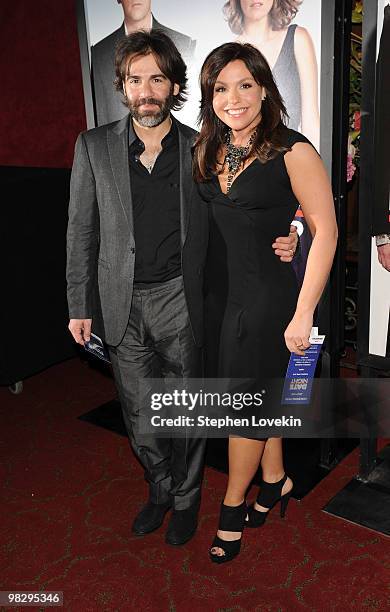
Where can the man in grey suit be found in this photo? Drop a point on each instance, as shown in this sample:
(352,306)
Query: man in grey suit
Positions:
(137,241)
(137,16)
(135,262)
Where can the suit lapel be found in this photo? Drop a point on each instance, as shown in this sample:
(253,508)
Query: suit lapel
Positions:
(186,181)
(118,149)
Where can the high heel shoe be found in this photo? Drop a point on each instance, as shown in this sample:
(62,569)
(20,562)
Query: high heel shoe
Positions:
(269,495)
(231,518)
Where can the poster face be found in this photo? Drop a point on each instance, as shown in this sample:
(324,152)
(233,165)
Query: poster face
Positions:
(292,47)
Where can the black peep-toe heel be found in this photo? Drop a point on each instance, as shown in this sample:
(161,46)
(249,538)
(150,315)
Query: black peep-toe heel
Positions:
(231,518)
(269,495)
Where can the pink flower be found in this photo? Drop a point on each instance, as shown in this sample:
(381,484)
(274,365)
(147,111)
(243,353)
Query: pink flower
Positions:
(350,168)
(356,121)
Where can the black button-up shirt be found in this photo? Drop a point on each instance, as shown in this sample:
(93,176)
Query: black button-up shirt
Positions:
(156,210)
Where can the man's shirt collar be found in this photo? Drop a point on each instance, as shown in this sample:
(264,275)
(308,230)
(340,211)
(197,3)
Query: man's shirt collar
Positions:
(135,141)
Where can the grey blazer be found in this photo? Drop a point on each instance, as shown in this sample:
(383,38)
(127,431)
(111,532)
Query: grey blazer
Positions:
(101,246)
(108,101)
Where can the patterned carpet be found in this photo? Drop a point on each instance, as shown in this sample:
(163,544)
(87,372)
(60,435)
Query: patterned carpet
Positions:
(69,491)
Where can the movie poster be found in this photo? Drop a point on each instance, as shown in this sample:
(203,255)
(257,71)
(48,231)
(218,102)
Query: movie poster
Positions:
(292,47)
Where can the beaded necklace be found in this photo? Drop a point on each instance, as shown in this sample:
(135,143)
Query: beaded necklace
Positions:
(235,156)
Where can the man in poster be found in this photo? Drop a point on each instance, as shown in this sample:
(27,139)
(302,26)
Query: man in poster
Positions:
(137,241)
(137,15)
(380,210)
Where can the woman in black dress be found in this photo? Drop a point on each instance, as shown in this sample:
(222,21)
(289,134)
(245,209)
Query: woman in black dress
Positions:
(253,172)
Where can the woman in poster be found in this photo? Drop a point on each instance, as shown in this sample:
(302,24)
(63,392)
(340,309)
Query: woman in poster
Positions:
(289,50)
(253,172)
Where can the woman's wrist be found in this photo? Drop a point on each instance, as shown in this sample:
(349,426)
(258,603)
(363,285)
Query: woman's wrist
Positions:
(304,311)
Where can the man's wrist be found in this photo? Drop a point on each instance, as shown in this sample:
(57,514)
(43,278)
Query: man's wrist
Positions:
(382,239)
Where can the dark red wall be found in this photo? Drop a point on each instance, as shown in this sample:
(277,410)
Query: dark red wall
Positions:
(41,94)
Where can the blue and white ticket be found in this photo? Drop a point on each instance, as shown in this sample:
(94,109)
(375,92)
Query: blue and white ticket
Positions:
(96,347)
(300,372)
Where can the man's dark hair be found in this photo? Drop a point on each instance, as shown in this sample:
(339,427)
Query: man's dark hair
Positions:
(165,53)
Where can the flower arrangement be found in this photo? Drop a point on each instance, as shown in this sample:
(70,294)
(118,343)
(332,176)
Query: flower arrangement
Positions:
(355,94)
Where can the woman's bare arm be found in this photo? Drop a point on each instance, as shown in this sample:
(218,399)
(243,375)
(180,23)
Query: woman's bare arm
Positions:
(311,186)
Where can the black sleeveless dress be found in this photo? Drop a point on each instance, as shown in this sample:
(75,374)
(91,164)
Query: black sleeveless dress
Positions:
(250,295)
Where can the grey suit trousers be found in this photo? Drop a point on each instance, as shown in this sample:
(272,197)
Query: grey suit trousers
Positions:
(158,342)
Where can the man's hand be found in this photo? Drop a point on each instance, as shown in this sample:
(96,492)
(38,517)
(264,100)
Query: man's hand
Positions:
(285,246)
(384,256)
(80,330)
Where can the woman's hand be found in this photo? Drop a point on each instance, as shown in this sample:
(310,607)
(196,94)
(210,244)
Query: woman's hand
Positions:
(285,246)
(298,332)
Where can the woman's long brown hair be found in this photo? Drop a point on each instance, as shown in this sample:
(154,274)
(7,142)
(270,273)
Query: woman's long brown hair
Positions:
(270,135)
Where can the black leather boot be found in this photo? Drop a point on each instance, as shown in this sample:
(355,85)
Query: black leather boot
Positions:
(150,518)
(182,525)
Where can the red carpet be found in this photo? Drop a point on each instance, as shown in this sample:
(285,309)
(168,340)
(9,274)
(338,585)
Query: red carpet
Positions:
(69,493)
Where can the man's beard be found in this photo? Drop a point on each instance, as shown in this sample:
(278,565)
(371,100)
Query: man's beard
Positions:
(151,118)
